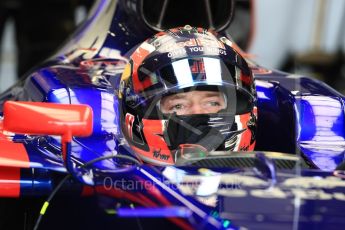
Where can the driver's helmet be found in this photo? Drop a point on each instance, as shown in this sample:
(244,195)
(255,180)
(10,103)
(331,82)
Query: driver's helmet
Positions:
(186,93)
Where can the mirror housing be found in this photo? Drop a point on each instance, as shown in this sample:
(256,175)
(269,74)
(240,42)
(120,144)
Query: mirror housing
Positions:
(40,118)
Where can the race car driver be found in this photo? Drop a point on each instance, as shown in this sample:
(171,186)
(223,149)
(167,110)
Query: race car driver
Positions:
(187,90)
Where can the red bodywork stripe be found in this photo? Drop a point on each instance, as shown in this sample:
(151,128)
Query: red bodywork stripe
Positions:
(9,182)
(13,157)
(88,191)
(2,136)
(12,154)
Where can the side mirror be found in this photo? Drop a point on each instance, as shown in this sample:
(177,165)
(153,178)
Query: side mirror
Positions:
(39,118)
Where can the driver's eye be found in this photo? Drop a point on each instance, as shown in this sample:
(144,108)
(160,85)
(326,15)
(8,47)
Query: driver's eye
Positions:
(176,107)
(214,103)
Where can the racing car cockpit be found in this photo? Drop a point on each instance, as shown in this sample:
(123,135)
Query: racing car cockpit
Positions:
(183,111)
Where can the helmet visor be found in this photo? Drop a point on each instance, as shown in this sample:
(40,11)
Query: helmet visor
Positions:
(185,73)
(207,82)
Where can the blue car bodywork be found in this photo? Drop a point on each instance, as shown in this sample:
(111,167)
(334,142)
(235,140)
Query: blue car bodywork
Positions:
(298,116)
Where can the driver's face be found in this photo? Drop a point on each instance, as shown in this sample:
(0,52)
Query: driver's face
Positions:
(193,102)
